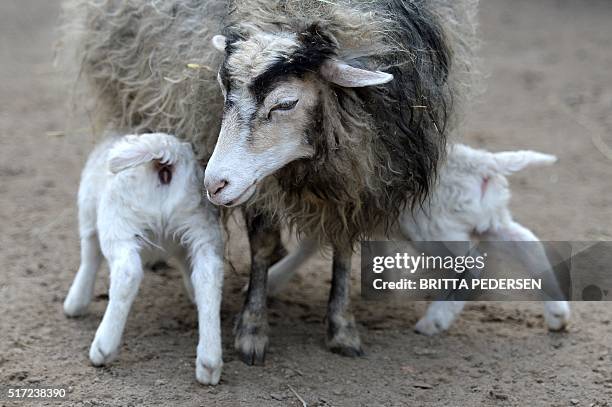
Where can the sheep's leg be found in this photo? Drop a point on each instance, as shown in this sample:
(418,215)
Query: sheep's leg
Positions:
(125,275)
(207,278)
(342,334)
(279,252)
(81,291)
(251,330)
(556,313)
(187,278)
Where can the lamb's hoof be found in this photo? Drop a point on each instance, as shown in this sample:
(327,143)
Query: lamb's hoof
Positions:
(251,338)
(101,353)
(430,326)
(556,315)
(75,307)
(439,317)
(343,337)
(208,372)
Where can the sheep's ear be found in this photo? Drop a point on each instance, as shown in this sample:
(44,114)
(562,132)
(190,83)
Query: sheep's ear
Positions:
(219,42)
(347,76)
(513,161)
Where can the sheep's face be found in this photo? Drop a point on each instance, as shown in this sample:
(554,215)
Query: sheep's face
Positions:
(272,85)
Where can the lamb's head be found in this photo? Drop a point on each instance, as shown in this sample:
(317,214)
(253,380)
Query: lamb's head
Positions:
(272,84)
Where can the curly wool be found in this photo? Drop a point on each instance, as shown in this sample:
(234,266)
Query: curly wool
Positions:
(149,65)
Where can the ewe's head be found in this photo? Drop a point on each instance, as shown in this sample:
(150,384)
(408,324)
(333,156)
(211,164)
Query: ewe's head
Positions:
(272,84)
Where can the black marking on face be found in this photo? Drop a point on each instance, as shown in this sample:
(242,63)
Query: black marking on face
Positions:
(314,129)
(225,77)
(228,105)
(231,38)
(316,47)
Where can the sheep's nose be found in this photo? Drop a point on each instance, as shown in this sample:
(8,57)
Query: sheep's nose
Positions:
(215,186)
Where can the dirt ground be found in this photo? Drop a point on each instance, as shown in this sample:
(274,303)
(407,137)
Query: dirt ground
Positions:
(549,88)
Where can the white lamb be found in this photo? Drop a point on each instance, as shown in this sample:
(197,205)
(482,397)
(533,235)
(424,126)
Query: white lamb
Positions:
(470,198)
(139,199)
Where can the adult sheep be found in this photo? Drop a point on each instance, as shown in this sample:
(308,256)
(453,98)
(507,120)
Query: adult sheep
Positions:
(335,119)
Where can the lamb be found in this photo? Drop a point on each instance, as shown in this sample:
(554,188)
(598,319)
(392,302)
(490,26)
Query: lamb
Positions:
(140,199)
(470,198)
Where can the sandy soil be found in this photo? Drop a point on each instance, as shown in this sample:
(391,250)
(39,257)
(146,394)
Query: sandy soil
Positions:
(549,88)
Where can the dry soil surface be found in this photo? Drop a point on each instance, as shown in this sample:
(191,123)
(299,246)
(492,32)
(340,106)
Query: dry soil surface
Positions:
(549,88)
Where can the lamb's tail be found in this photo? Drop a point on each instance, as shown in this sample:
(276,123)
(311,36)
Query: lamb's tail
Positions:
(132,151)
(512,161)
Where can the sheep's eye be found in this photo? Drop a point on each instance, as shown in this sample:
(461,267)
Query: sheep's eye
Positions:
(284,106)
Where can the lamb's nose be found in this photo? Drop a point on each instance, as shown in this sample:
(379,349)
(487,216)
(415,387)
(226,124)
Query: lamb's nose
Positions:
(214,187)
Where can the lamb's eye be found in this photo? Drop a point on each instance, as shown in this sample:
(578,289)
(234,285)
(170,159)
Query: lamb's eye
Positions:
(283,106)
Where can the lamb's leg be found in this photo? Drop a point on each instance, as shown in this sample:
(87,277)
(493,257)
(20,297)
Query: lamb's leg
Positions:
(187,278)
(556,313)
(342,334)
(251,330)
(207,278)
(81,291)
(283,271)
(125,277)
(439,316)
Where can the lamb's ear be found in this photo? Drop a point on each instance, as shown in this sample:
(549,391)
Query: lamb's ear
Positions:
(513,161)
(347,76)
(219,42)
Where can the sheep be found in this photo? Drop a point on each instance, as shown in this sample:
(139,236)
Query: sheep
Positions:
(470,199)
(335,119)
(312,130)
(140,199)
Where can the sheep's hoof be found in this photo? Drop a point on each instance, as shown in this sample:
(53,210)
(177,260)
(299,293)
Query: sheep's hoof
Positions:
(556,315)
(343,337)
(348,351)
(251,337)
